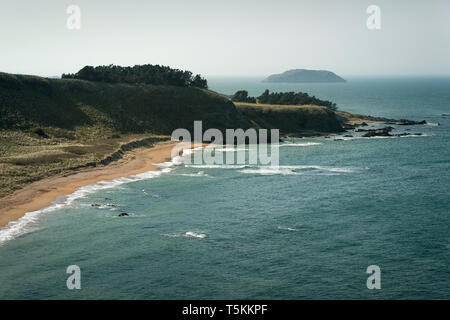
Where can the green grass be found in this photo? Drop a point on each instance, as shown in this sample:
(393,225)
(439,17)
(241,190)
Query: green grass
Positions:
(25,158)
(304,120)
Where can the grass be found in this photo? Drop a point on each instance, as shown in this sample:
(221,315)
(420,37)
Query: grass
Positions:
(306,120)
(26,157)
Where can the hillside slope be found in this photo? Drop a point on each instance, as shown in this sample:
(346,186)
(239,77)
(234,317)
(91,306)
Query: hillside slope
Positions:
(68,105)
(292,120)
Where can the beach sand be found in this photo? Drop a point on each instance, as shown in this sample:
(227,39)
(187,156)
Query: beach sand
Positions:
(42,193)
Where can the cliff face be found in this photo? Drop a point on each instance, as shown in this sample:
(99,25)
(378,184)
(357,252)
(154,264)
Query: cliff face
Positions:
(303,75)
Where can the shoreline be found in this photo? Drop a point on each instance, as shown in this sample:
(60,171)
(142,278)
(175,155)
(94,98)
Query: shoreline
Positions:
(42,193)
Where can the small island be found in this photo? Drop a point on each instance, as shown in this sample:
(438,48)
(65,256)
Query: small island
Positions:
(304,75)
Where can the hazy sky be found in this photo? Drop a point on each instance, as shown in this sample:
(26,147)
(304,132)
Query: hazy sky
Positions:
(245,37)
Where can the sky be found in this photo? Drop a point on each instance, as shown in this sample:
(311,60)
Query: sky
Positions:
(228,37)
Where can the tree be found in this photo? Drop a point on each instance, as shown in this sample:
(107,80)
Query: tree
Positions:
(242,96)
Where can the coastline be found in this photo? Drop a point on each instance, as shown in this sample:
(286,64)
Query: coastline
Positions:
(43,193)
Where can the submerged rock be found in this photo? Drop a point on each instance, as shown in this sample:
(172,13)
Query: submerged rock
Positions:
(123,214)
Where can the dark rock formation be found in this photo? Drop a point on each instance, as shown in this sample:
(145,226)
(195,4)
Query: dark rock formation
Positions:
(406,122)
(383,132)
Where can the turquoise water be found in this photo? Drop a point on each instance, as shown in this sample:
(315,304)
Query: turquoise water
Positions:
(306,231)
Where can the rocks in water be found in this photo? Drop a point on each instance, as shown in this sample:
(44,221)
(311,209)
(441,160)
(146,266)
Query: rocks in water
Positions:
(348,136)
(407,134)
(103,206)
(383,132)
(123,214)
(406,122)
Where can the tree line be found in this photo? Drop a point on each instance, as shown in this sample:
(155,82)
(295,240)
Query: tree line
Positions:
(283,98)
(148,74)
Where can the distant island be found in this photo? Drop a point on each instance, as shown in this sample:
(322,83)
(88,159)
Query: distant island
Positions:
(304,75)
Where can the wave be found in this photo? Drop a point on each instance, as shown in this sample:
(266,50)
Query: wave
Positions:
(229,149)
(341,138)
(217,166)
(303,144)
(287,228)
(28,222)
(198,174)
(188,234)
(300,170)
(195,235)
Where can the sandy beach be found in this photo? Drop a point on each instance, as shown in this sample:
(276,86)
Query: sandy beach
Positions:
(42,193)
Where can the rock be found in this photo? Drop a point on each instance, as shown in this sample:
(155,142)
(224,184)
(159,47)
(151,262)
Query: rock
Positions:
(123,214)
(405,122)
(407,134)
(95,205)
(348,136)
(384,132)
(363,124)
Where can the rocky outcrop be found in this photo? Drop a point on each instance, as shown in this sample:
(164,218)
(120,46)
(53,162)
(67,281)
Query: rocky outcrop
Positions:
(383,132)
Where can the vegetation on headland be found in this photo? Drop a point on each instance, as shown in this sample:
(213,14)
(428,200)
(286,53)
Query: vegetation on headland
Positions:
(148,74)
(305,120)
(283,98)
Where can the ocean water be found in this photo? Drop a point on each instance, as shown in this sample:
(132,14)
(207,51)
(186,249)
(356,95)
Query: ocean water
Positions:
(306,230)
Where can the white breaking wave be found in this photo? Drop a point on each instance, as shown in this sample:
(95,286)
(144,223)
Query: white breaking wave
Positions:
(287,228)
(188,234)
(195,235)
(303,144)
(217,166)
(229,149)
(297,170)
(198,174)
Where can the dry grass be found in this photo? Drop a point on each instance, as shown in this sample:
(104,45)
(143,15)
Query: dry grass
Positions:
(25,157)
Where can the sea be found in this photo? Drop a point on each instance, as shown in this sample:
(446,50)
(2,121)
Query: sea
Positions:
(312,228)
